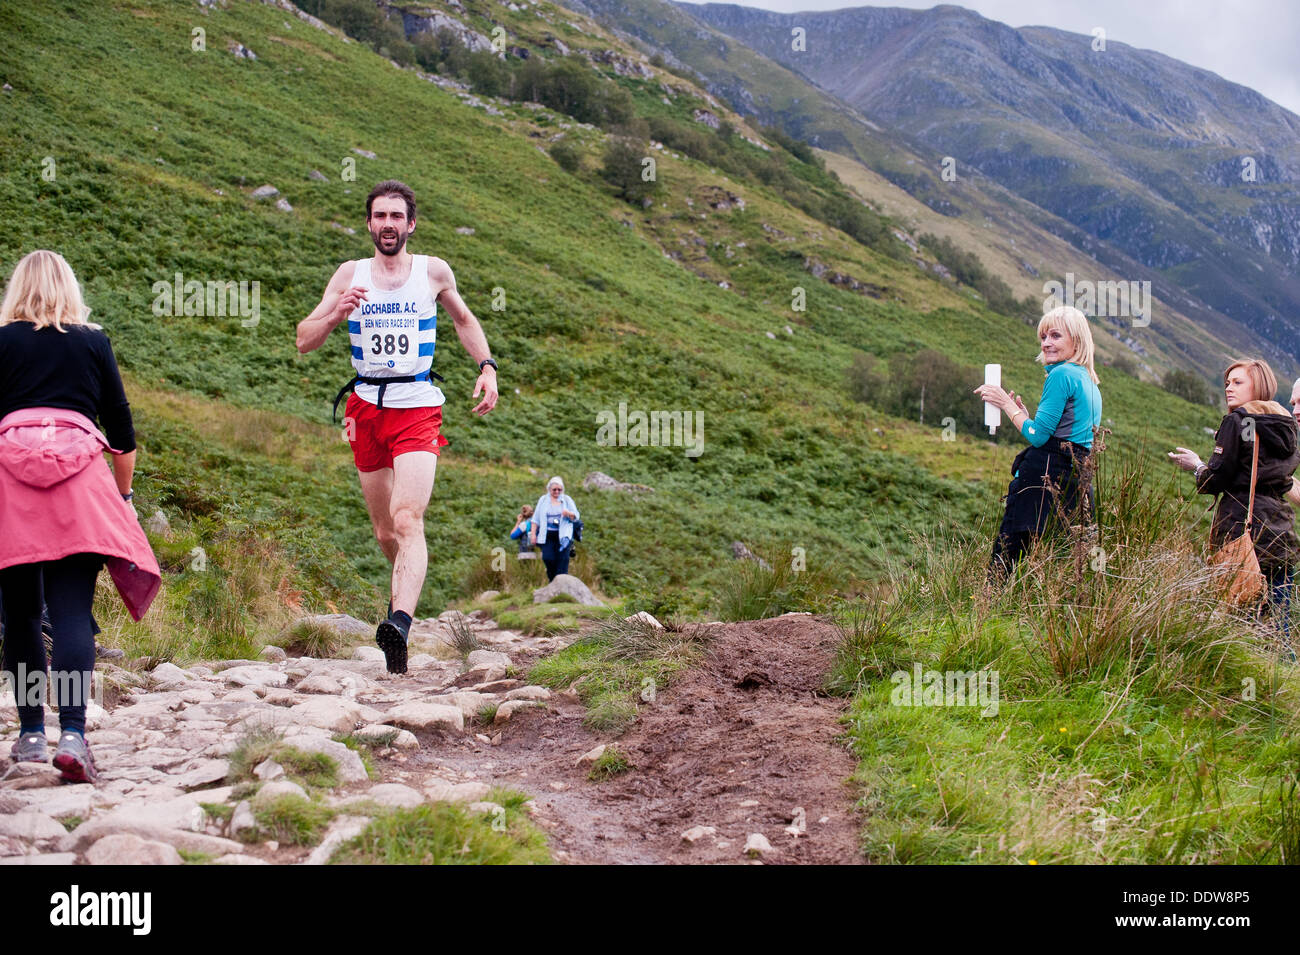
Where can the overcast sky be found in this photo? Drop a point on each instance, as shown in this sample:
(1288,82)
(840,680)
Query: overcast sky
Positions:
(1252,42)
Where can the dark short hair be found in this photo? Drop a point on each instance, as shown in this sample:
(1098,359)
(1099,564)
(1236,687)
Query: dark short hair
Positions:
(393,187)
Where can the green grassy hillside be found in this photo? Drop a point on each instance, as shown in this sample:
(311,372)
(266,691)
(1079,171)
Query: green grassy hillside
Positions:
(156,149)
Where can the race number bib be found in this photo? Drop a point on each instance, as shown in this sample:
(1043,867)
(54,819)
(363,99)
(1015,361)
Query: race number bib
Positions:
(390,337)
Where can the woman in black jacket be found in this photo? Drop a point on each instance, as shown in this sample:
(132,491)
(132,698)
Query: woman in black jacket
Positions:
(1249,387)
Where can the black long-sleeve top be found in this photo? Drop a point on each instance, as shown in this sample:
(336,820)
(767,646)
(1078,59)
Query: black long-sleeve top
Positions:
(73,369)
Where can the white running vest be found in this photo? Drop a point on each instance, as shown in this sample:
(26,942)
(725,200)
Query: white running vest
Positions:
(393,335)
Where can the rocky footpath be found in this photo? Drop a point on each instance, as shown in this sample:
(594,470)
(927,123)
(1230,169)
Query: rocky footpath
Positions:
(164,748)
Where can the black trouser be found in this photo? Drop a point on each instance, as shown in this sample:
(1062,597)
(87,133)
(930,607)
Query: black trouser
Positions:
(557,561)
(1045,489)
(67,587)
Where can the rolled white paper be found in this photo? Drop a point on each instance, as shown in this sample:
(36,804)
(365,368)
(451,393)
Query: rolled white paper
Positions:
(992,413)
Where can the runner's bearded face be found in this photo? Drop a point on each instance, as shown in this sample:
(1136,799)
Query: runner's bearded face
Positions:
(388,228)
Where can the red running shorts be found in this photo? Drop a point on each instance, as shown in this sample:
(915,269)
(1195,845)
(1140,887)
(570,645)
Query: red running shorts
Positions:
(378,435)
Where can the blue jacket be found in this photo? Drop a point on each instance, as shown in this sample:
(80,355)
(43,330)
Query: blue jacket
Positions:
(1069,408)
(566,525)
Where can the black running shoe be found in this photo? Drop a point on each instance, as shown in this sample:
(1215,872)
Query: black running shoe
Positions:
(391,637)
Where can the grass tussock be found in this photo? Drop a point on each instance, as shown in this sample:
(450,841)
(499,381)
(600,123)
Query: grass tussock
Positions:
(449,834)
(310,770)
(619,664)
(1137,719)
(292,820)
(612,762)
(780,583)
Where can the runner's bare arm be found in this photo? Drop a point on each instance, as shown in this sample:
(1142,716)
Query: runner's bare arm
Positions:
(469,330)
(335,306)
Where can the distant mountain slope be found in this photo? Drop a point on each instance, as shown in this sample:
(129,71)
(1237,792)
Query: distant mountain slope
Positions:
(155,151)
(1133,147)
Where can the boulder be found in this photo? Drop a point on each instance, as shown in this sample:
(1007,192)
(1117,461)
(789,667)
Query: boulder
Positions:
(33,827)
(273,654)
(267,191)
(509,708)
(274,790)
(402,739)
(42,858)
(243,819)
(128,849)
(320,683)
(696,833)
(254,676)
(741,552)
(600,481)
(485,659)
(395,795)
(645,618)
(424,716)
(570,585)
(328,712)
(439,790)
(468,702)
(92,831)
(340,831)
(529,693)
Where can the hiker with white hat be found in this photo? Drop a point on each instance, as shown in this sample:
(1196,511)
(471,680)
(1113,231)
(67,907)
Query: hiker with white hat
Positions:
(553,527)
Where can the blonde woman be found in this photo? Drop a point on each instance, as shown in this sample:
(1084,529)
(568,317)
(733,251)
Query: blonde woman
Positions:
(1046,476)
(63,514)
(1248,389)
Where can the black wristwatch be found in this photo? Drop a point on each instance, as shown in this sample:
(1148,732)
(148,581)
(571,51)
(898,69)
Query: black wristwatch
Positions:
(488,361)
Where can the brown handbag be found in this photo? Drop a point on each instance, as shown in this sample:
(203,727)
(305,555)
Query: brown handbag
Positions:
(1241,580)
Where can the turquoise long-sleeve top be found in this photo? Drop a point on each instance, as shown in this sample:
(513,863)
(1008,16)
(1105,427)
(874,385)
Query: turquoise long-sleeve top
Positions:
(1069,408)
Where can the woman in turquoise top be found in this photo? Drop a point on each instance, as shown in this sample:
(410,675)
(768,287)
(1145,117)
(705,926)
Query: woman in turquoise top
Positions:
(1047,477)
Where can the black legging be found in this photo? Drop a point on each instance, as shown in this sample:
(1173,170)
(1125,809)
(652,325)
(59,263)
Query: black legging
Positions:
(67,587)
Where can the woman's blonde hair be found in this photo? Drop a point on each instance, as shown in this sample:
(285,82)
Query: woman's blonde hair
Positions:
(1262,380)
(43,290)
(1075,324)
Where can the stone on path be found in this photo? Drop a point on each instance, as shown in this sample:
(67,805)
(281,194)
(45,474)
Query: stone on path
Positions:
(351,768)
(340,831)
(570,585)
(695,833)
(424,716)
(509,708)
(128,849)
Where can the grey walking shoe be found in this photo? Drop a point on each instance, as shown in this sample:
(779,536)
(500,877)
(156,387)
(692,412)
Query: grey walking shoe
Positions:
(30,748)
(72,758)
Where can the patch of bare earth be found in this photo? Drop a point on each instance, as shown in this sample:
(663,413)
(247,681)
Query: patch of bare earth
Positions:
(743,743)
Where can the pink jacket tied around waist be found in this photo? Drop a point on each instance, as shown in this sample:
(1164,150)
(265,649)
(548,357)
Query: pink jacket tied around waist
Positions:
(58,497)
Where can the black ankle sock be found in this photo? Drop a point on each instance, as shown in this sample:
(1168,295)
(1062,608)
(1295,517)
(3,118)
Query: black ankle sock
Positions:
(390,608)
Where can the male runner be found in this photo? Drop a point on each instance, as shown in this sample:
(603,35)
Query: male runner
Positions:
(394,414)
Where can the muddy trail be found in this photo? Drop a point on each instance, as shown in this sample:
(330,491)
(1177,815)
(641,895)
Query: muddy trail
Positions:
(740,745)
(743,743)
